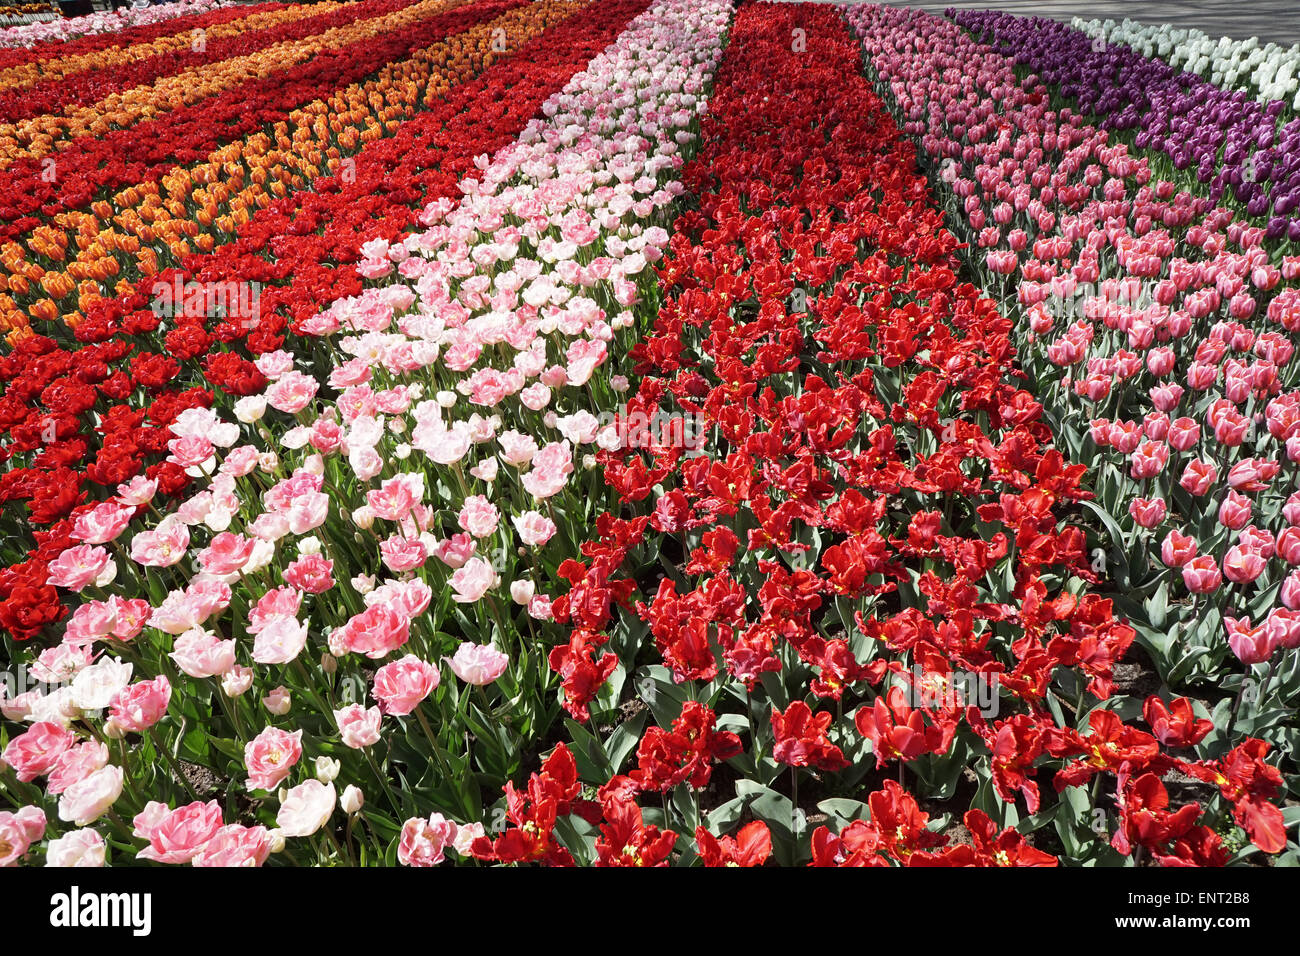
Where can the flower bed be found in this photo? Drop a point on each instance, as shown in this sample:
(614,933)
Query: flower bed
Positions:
(395,612)
(1268,72)
(113,26)
(855,542)
(1129,346)
(1232,141)
(635,433)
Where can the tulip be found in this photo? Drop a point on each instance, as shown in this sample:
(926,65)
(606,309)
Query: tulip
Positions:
(1177,549)
(1147,513)
(1242,566)
(1251,645)
(1235,510)
(1201,575)
(1283,627)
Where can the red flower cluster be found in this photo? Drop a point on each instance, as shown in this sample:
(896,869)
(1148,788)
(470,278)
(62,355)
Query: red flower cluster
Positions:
(551,794)
(684,754)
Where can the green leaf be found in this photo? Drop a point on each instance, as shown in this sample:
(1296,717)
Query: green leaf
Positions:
(777,812)
(1117,542)
(725,816)
(1156,606)
(842,812)
(623,741)
(588,752)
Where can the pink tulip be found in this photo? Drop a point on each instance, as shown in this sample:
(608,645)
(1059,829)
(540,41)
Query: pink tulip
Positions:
(1288,545)
(311,574)
(1177,549)
(1283,627)
(400,686)
(1155,425)
(1201,575)
(473,580)
(1252,645)
(80,566)
(1148,460)
(358,726)
(306,808)
(1235,510)
(374,632)
(18,831)
(1252,474)
(424,841)
(1183,433)
(139,706)
(103,523)
(200,653)
(479,516)
(1242,566)
(163,546)
(270,756)
(1147,513)
(34,752)
(478,664)
(77,848)
(226,554)
(1257,540)
(1166,397)
(235,845)
(91,797)
(76,764)
(454,551)
(1198,477)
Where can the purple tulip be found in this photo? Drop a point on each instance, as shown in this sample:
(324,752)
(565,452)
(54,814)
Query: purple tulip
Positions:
(1178,113)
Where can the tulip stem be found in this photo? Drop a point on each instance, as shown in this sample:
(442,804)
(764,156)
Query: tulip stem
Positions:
(749,718)
(346,856)
(433,742)
(119,822)
(1268,679)
(175,766)
(126,777)
(307,685)
(347,837)
(231,710)
(1236,704)
(794,800)
(383,781)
